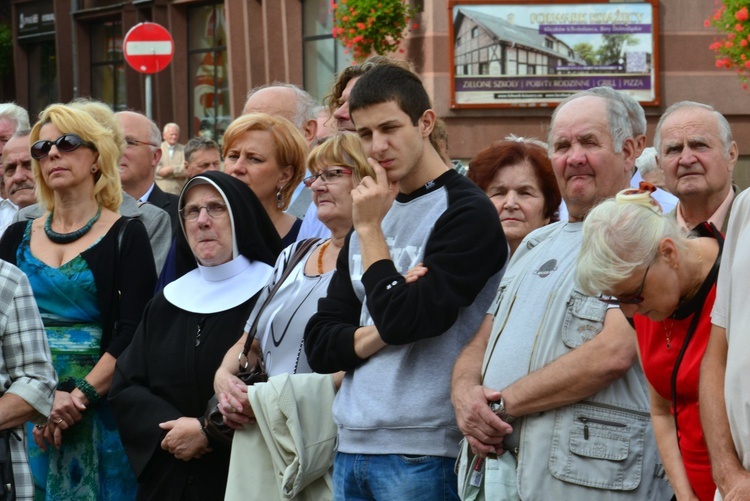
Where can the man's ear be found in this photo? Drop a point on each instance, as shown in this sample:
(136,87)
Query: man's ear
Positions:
(629,152)
(309,130)
(732,155)
(157,156)
(427,122)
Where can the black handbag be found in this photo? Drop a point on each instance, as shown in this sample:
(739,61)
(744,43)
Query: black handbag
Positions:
(216,429)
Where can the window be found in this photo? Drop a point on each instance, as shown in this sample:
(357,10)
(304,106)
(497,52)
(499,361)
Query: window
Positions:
(207,70)
(531,69)
(42,76)
(108,64)
(549,43)
(484,68)
(323,56)
(474,32)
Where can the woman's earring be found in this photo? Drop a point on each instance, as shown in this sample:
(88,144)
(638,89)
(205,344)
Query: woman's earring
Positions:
(279,201)
(93,169)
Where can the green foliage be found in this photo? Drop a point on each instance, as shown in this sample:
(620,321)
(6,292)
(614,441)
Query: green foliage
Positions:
(731,47)
(6,50)
(367,26)
(585,51)
(610,51)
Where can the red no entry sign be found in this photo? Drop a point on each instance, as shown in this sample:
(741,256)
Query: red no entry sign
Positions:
(148,47)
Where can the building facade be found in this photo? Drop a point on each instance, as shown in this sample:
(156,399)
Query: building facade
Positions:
(64,49)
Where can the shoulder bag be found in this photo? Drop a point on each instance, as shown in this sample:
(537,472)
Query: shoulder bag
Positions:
(213,421)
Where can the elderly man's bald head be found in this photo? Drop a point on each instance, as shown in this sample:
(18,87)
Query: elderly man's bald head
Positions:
(287,101)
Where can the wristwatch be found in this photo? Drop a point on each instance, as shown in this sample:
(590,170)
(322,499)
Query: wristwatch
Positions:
(498,407)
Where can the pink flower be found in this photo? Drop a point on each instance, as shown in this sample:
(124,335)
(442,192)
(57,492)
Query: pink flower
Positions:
(738,27)
(706,23)
(747,64)
(742,14)
(361,26)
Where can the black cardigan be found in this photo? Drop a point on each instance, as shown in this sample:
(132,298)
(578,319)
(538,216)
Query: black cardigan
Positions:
(137,277)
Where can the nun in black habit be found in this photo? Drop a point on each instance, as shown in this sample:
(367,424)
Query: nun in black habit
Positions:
(164,379)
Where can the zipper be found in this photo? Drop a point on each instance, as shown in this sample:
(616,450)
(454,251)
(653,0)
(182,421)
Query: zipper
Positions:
(497,338)
(586,420)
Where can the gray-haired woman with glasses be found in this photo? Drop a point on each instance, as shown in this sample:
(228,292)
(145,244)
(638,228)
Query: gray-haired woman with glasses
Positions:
(337,166)
(666,281)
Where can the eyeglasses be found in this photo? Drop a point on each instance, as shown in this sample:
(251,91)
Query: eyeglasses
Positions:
(193,212)
(137,142)
(328,176)
(636,298)
(65,143)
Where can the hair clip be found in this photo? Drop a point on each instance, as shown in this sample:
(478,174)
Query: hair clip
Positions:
(640,196)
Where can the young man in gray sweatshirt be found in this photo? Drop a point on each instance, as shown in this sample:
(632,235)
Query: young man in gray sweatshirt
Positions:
(398,339)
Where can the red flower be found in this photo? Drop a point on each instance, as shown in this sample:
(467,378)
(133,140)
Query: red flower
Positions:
(738,27)
(743,42)
(415,26)
(361,26)
(742,14)
(747,64)
(706,23)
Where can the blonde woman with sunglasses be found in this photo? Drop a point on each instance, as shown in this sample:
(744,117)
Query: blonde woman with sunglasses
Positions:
(92,273)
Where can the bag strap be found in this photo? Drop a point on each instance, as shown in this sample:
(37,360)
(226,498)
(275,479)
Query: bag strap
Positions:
(711,278)
(299,253)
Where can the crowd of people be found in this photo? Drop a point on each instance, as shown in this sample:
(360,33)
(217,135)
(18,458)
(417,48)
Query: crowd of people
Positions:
(562,320)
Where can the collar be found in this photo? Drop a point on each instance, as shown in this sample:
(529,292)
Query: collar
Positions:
(145,196)
(717,218)
(211,289)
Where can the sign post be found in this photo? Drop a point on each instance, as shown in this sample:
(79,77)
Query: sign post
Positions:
(148,49)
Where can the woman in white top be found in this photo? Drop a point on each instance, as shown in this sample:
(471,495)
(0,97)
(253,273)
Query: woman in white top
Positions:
(338,165)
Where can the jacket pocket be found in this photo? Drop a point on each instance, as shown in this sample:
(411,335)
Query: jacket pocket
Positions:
(584,319)
(598,447)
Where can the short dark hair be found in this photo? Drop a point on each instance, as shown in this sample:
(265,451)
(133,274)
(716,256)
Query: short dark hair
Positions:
(383,84)
(199,143)
(508,152)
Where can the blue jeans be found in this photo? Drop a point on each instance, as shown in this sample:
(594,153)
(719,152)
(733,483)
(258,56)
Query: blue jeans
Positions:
(392,477)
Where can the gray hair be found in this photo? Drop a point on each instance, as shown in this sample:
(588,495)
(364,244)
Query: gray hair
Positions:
(636,115)
(647,161)
(618,238)
(306,104)
(154,136)
(725,131)
(21,133)
(200,143)
(617,119)
(15,114)
(171,124)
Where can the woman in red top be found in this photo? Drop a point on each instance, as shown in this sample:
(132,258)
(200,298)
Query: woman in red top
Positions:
(666,282)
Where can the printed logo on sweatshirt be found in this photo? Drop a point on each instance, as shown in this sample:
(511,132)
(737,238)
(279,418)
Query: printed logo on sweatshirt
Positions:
(404,258)
(547,268)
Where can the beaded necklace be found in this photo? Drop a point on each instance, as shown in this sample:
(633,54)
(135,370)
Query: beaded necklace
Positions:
(320,256)
(66,238)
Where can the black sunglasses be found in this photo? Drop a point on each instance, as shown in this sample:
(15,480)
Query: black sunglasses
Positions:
(636,298)
(65,143)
